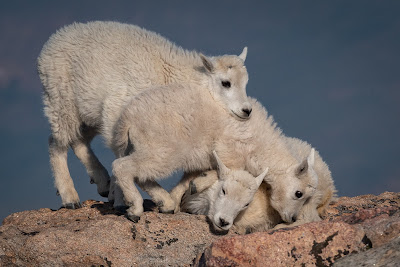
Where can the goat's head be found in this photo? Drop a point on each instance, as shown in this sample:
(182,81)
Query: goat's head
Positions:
(228,80)
(233,193)
(291,188)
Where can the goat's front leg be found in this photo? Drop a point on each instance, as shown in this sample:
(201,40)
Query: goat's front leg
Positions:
(203,181)
(308,213)
(179,190)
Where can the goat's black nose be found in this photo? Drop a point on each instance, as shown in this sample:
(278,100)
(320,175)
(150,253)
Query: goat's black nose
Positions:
(222,222)
(294,218)
(247,111)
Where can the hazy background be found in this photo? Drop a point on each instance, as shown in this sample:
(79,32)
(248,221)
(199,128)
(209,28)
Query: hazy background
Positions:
(328,71)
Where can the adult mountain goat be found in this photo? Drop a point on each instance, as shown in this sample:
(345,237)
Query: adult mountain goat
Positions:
(90,71)
(178,126)
(226,200)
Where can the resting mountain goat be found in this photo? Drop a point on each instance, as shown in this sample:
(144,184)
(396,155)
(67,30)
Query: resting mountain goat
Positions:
(177,127)
(90,71)
(226,194)
(225,200)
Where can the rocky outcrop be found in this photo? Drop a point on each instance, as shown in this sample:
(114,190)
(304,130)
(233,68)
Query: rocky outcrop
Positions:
(356,230)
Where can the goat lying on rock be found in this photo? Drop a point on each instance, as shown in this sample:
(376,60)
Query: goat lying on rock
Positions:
(225,199)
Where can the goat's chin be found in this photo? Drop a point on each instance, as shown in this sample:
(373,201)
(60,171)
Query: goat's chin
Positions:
(240,117)
(219,231)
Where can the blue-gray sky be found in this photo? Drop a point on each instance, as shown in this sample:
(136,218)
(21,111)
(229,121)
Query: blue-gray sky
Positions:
(328,71)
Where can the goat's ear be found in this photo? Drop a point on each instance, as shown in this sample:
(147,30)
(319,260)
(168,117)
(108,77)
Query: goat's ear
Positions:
(302,168)
(261,177)
(243,55)
(222,169)
(306,164)
(269,179)
(207,62)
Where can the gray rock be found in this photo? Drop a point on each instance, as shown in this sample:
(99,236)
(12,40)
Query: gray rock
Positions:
(387,255)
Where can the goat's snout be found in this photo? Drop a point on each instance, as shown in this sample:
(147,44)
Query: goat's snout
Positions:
(223,222)
(247,111)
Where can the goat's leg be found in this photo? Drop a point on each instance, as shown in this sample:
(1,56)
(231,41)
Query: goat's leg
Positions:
(203,181)
(180,189)
(62,178)
(124,169)
(308,213)
(96,171)
(158,194)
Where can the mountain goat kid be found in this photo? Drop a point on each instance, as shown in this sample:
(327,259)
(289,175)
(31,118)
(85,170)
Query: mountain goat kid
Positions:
(226,194)
(177,127)
(89,73)
(207,194)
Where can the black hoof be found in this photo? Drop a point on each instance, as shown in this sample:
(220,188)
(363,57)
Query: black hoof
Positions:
(133,218)
(104,194)
(168,212)
(193,189)
(121,209)
(73,206)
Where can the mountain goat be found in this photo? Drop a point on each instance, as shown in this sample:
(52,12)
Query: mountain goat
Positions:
(204,196)
(90,71)
(177,127)
(230,194)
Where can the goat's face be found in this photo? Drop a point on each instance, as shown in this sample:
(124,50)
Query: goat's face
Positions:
(228,83)
(291,189)
(233,193)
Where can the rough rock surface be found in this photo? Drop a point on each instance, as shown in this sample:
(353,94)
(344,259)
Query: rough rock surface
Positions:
(96,235)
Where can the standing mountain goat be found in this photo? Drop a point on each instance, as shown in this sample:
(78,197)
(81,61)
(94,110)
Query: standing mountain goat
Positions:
(177,127)
(203,196)
(89,73)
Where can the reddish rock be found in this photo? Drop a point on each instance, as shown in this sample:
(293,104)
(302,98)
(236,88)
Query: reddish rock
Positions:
(352,225)
(313,244)
(96,235)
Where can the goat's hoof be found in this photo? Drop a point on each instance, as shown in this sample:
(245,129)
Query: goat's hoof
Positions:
(121,209)
(192,188)
(104,194)
(72,206)
(133,218)
(167,211)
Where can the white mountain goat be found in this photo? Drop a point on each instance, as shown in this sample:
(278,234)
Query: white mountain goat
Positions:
(177,127)
(227,196)
(204,195)
(90,71)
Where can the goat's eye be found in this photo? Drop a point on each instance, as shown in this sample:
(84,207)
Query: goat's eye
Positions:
(298,194)
(223,191)
(226,84)
(246,205)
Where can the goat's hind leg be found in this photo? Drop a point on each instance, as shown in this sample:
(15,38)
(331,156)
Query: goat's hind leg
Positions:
(158,194)
(124,170)
(96,171)
(62,178)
